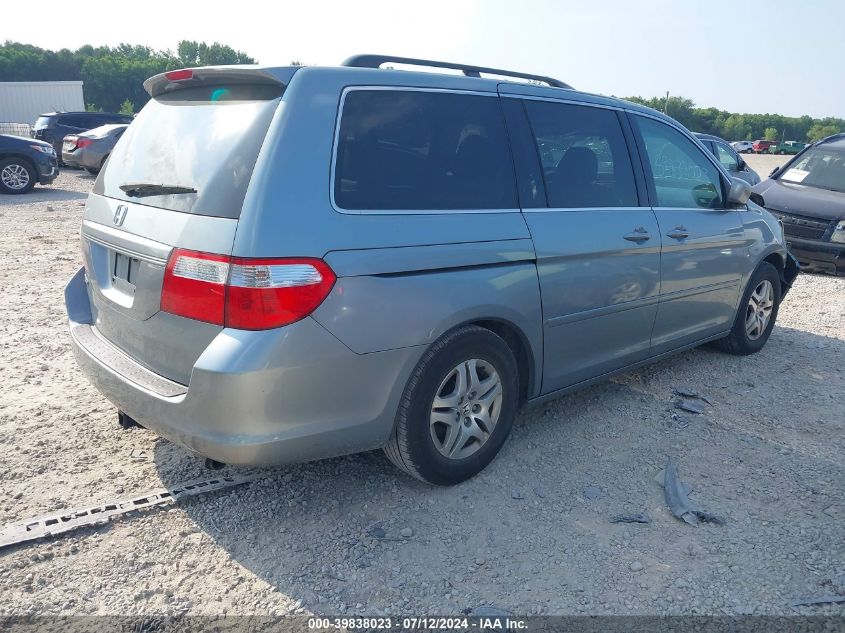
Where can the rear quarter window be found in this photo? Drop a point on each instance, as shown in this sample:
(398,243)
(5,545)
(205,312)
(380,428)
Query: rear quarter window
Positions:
(409,150)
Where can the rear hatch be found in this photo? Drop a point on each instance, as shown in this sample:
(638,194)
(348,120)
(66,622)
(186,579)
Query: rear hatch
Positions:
(42,127)
(176,179)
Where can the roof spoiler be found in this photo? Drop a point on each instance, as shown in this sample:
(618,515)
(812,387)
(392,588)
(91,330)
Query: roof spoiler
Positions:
(376,61)
(191,77)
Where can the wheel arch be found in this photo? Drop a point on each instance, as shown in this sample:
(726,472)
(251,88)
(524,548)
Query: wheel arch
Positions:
(22,157)
(519,345)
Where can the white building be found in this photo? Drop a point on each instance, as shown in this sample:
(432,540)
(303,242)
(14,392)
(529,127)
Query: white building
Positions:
(23,101)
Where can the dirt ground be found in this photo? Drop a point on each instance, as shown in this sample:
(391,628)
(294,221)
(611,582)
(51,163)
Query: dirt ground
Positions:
(532,534)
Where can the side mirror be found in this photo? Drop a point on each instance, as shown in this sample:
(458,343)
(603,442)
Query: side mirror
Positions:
(739,193)
(757,199)
(740,164)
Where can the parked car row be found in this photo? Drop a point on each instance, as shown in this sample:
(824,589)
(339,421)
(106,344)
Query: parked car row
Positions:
(762,146)
(73,139)
(55,126)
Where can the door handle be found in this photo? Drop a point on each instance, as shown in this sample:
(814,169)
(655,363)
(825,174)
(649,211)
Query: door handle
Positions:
(638,235)
(678,233)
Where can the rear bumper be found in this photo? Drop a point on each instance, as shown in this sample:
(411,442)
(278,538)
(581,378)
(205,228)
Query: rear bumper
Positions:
(81,158)
(817,256)
(279,396)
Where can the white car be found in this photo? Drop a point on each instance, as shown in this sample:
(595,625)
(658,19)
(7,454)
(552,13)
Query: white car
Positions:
(742,147)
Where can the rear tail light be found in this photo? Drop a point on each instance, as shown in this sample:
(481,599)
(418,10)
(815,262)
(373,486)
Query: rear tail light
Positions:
(83,142)
(195,285)
(247,294)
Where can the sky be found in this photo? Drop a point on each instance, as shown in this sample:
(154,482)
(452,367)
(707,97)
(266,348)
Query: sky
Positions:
(754,56)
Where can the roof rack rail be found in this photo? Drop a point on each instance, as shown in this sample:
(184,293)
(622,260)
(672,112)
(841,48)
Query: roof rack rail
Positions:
(831,138)
(375,61)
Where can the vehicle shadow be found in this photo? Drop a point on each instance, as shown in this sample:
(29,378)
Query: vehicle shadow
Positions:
(354,535)
(42,194)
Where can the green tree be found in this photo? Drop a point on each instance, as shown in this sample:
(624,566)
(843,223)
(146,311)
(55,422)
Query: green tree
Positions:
(127,107)
(192,53)
(770,134)
(818,131)
(111,76)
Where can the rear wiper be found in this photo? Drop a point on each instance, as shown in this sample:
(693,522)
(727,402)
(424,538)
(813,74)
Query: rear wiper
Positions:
(142,190)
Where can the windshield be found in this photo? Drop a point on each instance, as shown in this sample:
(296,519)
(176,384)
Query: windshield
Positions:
(192,150)
(42,122)
(820,167)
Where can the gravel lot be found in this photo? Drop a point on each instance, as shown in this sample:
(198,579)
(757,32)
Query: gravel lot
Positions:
(352,535)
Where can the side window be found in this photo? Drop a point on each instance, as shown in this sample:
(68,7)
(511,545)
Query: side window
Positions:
(406,150)
(726,156)
(584,155)
(71,120)
(683,176)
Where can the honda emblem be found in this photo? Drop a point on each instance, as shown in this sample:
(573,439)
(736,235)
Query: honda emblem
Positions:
(120,214)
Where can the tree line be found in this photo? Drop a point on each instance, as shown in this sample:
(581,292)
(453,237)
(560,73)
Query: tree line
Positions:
(112,76)
(744,127)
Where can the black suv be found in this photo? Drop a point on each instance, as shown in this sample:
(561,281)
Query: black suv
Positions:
(24,162)
(807,194)
(53,127)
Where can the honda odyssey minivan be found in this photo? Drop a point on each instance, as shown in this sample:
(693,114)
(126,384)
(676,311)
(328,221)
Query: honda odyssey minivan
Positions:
(286,264)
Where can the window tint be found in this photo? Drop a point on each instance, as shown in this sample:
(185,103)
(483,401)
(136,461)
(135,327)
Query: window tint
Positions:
(726,156)
(584,156)
(72,120)
(413,150)
(683,176)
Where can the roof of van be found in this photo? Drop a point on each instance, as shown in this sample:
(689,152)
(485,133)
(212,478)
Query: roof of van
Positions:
(282,75)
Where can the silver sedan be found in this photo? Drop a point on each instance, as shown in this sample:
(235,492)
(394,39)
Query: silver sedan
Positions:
(90,149)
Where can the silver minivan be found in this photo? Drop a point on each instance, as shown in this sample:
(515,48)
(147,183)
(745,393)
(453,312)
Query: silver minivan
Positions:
(287,264)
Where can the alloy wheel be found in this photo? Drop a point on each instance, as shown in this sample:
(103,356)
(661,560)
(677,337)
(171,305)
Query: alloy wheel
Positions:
(14,176)
(465,409)
(758,313)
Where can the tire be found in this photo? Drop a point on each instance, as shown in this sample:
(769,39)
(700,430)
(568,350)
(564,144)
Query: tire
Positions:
(740,341)
(17,175)
(423,436)
(93,170)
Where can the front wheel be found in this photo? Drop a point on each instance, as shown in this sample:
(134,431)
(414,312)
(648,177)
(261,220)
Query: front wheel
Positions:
(16,176)
(757,313)
(457,408)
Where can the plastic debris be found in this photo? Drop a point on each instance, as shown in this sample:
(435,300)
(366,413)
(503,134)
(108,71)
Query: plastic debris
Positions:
(631,518)
(690,405)
(832,599)
(691,393)
(679,503)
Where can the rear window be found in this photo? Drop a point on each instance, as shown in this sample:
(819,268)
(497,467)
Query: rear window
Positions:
(405,150)
(42,122)
(205,138)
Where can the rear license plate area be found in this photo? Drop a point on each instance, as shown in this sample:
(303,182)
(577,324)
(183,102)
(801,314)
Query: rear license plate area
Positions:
(124,272)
